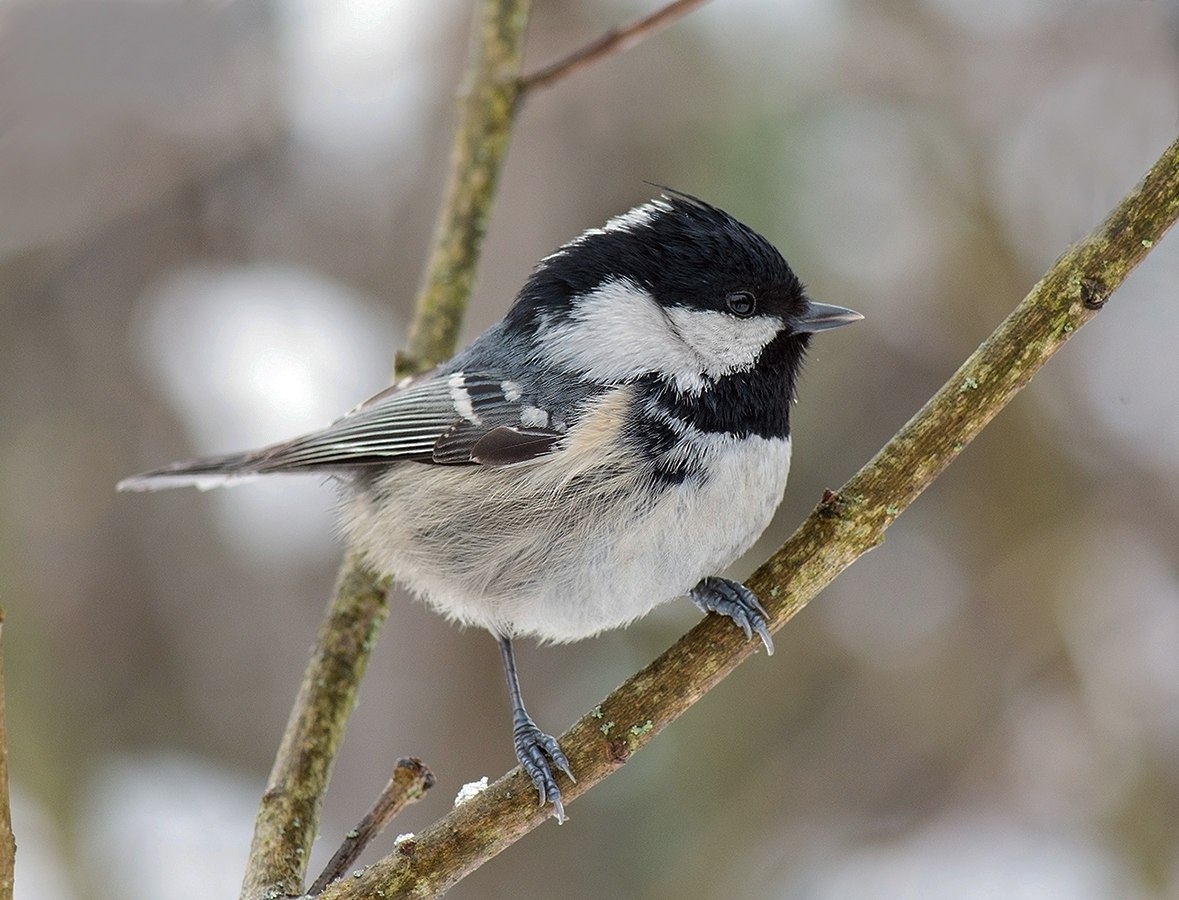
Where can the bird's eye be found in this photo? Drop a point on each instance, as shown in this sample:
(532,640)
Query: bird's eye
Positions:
(741,303)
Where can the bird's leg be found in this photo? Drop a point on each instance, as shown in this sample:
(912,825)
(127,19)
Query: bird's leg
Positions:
(735,600)
(534,748)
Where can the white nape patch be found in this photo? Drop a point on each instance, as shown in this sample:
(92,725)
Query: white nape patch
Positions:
(637,217)
(461,399)
(511,390)
(618,331)
(723,343)
(534,417)
(630,220)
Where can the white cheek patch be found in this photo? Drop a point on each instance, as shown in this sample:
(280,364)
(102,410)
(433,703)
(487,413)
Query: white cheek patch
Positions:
(721,342)
(618,332)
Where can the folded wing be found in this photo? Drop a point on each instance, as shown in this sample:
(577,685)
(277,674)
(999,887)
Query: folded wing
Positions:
(457,418)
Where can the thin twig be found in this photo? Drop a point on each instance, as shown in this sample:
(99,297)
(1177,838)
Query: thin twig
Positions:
(845,525)
(614,41)
(7,839)
(411,779)
(288,815)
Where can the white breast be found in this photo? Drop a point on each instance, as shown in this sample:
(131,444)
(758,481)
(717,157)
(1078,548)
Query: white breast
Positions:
(691,531)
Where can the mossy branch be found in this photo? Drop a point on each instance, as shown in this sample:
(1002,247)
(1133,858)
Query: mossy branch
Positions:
(288,815)
(487,113)
(841,528)
(410,781)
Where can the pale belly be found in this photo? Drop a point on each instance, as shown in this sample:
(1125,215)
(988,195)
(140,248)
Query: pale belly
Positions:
(532,550)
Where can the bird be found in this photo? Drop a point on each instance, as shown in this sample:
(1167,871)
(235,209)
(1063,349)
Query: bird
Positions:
(613,443)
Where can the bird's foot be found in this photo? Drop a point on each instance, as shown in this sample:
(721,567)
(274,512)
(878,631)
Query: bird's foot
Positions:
(535,750)
(735,600)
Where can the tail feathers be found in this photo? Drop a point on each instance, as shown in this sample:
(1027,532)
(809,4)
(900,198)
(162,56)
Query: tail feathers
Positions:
(234,468)
(208,472)
(321,451)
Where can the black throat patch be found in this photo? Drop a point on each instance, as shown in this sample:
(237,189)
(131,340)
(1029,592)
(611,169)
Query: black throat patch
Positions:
(754,402)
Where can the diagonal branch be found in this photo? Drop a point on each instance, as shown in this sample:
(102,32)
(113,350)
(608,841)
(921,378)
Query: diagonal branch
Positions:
(616,40)
(842,527)
(410,781)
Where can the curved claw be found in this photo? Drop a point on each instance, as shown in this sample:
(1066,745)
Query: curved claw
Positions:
(733,599)
(535,750)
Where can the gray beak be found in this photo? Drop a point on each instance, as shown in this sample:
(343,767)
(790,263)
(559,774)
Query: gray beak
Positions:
(824,316)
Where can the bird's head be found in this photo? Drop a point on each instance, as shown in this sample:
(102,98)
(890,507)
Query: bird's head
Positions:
(675,288)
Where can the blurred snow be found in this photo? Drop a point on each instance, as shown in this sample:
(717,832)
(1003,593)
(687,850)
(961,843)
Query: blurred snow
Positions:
(251,355)
(970,855)
(356,74)
(166,828)
(41,870)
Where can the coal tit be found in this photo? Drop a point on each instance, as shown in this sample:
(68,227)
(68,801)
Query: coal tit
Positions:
(617,439)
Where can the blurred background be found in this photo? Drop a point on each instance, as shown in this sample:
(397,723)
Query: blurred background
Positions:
(213,217)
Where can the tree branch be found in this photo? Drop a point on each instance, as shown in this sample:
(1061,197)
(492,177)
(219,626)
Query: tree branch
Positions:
(842,527)
(288,815)
(410,781)
(488,111)
(614,41)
